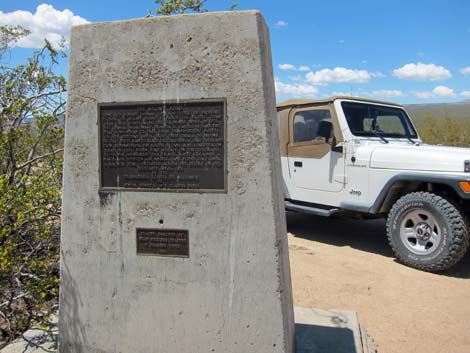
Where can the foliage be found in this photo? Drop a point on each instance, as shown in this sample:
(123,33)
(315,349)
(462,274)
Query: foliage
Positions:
(170,7)
(9,35)
(31,138)
(445,131)
(179,6)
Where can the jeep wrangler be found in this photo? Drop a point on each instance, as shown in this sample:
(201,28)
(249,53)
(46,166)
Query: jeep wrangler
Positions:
(364,158)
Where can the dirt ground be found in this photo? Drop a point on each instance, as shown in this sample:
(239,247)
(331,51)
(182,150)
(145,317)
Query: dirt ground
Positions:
(347,264)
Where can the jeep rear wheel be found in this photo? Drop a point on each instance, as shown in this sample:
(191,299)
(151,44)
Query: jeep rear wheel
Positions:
(427,232)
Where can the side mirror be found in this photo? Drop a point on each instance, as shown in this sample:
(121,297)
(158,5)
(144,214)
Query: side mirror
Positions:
(335,147)
(325,130)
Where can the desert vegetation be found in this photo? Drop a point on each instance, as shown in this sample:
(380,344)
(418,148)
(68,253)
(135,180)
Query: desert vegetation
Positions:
(447,131)
(31,138)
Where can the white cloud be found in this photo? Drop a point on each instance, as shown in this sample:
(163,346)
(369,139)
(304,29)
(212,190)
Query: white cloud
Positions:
(299,90)
(422,72)
(443,91)
(424,95)
(339,93)
(341,41)
(46,22)
(465,71)
(465,94)
(338,75)
(438,92)
(281,23)
(385,93)
(286,67)
(378,74)
(290,67)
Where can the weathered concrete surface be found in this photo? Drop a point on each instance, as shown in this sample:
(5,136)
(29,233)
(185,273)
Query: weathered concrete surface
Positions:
(234,293)
(317,331)
(320,330)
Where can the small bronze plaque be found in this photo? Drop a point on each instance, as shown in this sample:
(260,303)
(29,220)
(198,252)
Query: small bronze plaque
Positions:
(163,242)
(163,147)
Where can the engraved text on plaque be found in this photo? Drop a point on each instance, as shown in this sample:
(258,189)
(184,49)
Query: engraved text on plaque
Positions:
(163,242)
(172,146)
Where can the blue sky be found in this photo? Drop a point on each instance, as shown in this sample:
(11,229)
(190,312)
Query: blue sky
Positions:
(410,52)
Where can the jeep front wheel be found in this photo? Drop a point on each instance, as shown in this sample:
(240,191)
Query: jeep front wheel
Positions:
(427,232)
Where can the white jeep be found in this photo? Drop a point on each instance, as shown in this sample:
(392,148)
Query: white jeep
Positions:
(364,158)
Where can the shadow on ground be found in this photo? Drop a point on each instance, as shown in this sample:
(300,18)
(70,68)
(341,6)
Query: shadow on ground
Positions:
(364,235)
(316,339)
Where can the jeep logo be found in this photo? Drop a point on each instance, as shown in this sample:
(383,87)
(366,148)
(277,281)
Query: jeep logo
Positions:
(355,192)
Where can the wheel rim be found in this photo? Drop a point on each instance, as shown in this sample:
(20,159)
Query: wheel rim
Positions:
(420,232)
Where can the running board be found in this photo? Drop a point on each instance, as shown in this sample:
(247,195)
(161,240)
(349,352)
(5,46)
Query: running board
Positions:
(310,210)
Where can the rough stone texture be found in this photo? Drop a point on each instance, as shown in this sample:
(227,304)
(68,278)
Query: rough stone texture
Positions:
(234,292)
(317,331)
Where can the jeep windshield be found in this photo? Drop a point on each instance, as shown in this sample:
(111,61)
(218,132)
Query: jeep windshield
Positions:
(378,121)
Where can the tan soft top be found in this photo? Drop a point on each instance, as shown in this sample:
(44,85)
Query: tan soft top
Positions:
(301,102)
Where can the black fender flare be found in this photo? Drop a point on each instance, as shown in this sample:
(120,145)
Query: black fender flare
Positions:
(446,179)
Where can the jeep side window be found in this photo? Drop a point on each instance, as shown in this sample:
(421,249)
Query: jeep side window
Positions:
(307,124)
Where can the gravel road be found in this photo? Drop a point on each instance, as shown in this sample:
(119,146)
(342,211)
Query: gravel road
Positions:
(347,264)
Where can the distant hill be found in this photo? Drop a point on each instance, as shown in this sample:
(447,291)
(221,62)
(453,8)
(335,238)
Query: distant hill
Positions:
(459,110)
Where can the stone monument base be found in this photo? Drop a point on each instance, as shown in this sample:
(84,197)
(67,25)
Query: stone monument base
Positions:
(317,331)
(173,226)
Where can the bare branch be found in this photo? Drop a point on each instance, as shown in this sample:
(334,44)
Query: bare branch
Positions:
(15,298)
(38,158)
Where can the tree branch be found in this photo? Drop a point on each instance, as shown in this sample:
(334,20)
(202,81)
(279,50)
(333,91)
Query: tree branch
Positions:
(35,159)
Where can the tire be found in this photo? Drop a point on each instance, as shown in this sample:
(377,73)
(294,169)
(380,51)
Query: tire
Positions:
(427,232)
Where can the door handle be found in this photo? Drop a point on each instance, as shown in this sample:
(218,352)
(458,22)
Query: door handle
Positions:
(297,164)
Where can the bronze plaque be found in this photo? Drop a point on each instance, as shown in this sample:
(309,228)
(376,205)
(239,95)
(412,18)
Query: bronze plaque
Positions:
(172,146)
(163,242)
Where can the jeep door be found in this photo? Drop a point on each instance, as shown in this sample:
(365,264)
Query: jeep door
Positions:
(312,163)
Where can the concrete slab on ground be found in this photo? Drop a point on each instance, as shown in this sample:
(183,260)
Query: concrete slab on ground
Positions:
(320,330)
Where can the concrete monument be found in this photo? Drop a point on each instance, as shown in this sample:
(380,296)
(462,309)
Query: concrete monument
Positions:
(173,233)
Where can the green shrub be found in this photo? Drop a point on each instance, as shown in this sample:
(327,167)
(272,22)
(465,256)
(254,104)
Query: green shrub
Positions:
(445,131)
(31,138)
